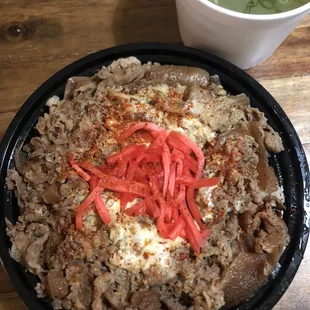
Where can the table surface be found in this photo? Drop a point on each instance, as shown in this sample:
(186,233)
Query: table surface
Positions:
(39,37)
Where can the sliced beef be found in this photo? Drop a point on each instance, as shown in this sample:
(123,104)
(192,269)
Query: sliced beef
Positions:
(57,285)
(172,304)
(15,182)
(28,242)
(56,125)
(74,187)
(52,193)
(78,83)
(36,212)
(173,75)
(20,160)
(122,72)
(265,231)
(81,290)
(142,300)
(33,256)
(51,246)
(20,242)
(216,88)
(272,140)
(104,293)
(268,180)
(235,157)
(39,146)
(224,113)
(271,234)
(244,276)
(85,134)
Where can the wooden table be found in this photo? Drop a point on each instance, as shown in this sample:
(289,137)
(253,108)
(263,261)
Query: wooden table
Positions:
(39,37)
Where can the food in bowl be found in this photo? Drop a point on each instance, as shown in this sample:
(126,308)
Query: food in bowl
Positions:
(260,6)
(148,186)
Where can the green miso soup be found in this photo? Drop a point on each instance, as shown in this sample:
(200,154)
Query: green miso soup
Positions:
(260,6)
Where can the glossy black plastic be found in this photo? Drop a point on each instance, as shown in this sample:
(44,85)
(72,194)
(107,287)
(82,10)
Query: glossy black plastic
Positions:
(290,165)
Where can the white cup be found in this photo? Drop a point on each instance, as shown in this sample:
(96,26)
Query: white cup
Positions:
(243,39)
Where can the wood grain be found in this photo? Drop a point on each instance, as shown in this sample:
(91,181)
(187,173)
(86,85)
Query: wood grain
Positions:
(297,295)
(45,37)
(5,119)
(292,94)
(305,22)
(292,58)
(39,37)
(10,301)
(5,283)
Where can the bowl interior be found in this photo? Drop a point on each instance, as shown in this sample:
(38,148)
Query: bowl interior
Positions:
(290,165)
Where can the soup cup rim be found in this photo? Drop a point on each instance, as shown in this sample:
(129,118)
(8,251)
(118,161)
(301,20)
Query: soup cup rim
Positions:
(258,17)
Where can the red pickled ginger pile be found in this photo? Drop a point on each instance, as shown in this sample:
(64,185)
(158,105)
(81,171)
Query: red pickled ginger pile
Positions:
(163,175)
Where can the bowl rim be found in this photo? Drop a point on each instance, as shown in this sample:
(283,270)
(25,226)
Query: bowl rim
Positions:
(156,49)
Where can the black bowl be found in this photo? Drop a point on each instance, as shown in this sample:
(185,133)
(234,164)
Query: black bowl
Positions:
(290,165)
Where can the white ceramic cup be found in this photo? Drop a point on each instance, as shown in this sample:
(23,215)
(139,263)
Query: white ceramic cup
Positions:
(243,39)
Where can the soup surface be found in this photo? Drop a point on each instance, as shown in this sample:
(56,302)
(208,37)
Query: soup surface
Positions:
(260,6)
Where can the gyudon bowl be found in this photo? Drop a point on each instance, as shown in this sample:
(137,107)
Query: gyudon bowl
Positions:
(152,176)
